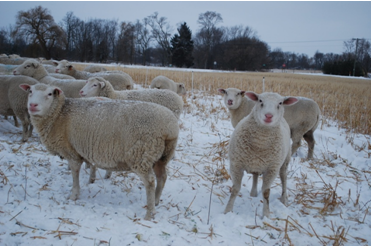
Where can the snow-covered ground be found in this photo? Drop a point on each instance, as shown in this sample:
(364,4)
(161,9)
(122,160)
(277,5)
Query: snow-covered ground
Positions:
(329,197)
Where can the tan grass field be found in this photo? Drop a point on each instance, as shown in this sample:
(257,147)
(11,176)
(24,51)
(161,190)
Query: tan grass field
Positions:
(345,100)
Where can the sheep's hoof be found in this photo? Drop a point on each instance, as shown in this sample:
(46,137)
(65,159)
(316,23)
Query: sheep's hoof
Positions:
(253,193)
(284,200)
(149,215)
(73,196)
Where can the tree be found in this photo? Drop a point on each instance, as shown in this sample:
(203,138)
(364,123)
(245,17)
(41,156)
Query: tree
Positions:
(182,47)
(208,36)
(161,32)
(126,43)
(143,39)
(37,26)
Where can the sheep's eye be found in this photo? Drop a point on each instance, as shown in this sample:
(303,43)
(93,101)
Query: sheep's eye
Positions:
(280,103)
(49,94)
(260,101)
(95,85)
(30,91)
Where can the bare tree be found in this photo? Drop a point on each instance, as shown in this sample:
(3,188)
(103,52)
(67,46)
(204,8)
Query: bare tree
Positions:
(37,26)
(143,39)
(70,24)
(161,32)
(126,43)
(208,36)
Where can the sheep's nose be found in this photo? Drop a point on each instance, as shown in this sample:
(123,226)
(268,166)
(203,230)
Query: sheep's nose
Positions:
(81,93)
(230,102)
(269,116)
(57,70)
(33,105)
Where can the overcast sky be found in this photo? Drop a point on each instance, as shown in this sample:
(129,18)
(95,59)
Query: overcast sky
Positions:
(300,27)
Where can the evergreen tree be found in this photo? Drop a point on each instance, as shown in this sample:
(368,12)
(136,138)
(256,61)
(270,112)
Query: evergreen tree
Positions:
(182,47)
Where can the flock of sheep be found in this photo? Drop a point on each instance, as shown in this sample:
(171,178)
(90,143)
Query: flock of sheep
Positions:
(95,116)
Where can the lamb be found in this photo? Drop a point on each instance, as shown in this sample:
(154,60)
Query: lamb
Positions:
(260,144)
(99,87)
(13,101)
(34,69)
(302,118)
(95,69)
(162,82)
(130,136)
(119,80)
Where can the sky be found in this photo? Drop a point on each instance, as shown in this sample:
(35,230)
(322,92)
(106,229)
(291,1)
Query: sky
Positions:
(294,26)
(328,197)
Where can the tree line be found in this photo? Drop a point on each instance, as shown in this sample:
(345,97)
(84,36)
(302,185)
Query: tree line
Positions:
(152,41)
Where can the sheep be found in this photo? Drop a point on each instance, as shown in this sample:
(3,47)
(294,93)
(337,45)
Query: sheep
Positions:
(260,144)
(13,101)
(95,69)
(99,87)
(119,80)
(302,118)
(34,69)
(115,135)
(7,68)
(162,82)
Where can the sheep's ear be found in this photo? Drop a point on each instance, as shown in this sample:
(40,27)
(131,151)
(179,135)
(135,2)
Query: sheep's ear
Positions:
(25,87)
(222,91)
(242,93)
(290,101)
(55,63)
(251,95)
(103,84)
(57,92)
(35,64)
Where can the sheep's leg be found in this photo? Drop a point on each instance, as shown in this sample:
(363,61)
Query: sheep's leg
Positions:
(75,171)
(30,128)
(309,138)
(268,179)
(296,142)
(161,178)
(108,174)
(254,185)
(149,182)
(25,132)
(283,178)
(92,172)
(16,124)
(237,183)
(160,167)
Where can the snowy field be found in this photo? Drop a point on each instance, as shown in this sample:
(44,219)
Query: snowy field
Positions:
(329,197)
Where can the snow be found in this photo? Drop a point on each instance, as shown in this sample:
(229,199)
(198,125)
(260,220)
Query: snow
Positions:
(34,186)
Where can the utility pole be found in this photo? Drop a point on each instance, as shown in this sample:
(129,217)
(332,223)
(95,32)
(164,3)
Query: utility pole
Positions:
(356,52)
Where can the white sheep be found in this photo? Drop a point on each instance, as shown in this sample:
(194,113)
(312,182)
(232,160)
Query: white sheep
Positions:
(95,68)
(13,101)
(99,87)
(118,79)
(162,82)
(36,70)
(260,144)
(114,135)
(302,118)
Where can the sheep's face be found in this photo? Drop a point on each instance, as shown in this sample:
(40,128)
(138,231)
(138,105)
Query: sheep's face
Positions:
(269,108)
(232,97)
(64,67)
(92,88)
(40,98)
(28,68)
(181,89)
